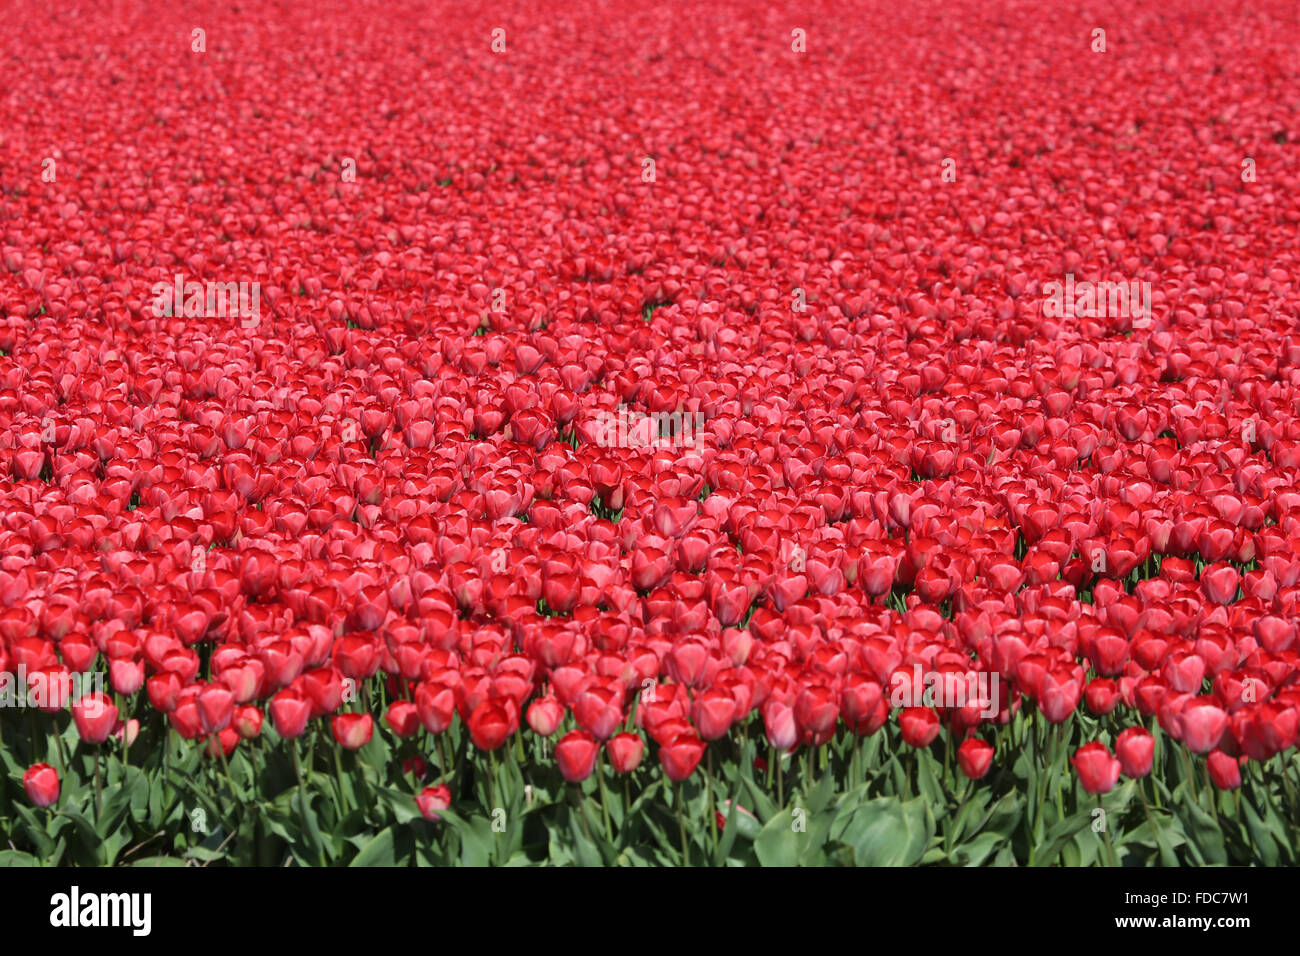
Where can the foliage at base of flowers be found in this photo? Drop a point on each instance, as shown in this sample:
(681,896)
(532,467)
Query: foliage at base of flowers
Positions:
(854,801)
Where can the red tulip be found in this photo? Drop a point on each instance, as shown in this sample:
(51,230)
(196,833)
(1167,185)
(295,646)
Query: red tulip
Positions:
(126,676)
(221,743)
(163,689)
(1102,696)
(713,713)
(1201,725)
(430,800)
(1225,771)
(216,705)
(490,724)
(545,715)
(289,714)
(324,688)
(94,714)
(184,717)
(816,709)
(681,756)
(974,757)
(1058,694)
(1098,771)
(779,725)
(126,731)
(1135,748)
(625,751)
(41,782)
(598,711)
(919,726)
(247,721)
(1219,582)
(403,718)
(436,706)
(863,705)
(357,656)
(352,731)
(576,755)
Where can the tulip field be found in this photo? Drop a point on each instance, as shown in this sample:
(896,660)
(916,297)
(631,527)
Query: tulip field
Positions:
(605,433)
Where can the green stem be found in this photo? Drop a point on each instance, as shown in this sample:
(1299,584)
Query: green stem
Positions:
(99,793)
(126,747)
(582,811)
(1151,822)
(604,797)
(63,753)
(442,759)
(166,764)
(1060,742)
(1214,794)
(1191,775)
(1110,850)
(681,828)
(1160,760)
(1286,786)
(708,785)
(947,752)
(1287,765)
(297,772)
(338,770)
(961,802)
(225,763)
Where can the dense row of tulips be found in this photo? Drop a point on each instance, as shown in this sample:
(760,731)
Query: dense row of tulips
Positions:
(368,576)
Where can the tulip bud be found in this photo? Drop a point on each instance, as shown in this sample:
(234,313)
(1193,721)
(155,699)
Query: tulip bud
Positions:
(1225,771)
(1098,771)
(779,725)
(490,724)
(974,757)
(919,726)
(545,715)
(95,716)
(432,799)
(126,731)
(247,721)
(1135,748)
(289,714)
(403,718)
(576,755)
(680,757)
(352,731)
(126,676)
(625,752)
(41,781)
